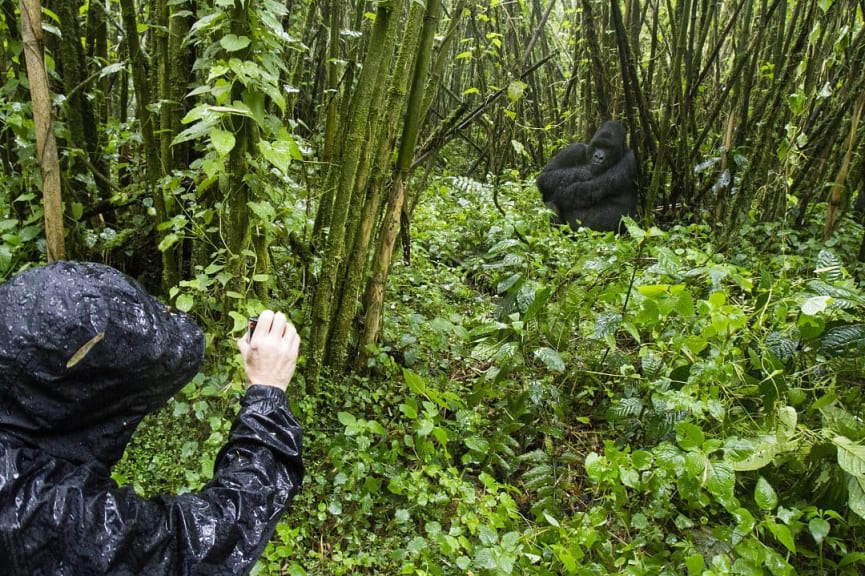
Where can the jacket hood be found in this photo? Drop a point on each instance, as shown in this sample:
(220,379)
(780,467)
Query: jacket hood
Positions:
(85,354)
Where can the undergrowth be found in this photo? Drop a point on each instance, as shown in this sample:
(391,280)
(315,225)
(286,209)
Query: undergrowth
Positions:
(552,402)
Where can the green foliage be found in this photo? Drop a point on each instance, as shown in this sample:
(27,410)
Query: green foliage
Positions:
(574,403)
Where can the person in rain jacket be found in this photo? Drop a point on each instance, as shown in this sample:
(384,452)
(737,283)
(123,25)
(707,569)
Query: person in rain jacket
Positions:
(85,354)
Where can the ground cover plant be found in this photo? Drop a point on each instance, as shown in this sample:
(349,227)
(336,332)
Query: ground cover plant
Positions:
(575,403)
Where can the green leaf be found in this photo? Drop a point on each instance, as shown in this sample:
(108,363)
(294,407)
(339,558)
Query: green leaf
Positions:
(551,359)
(516,89)
(782,533)
(169,241)
(196,131)
(819,529)
(185,302)
(689,436)
(347,419)
(720,479)
(752,453)
(414,382)
(695,564)
(856,496)
(278,153)
(815,305)
(477,444)
(595,466)
(851,456)
(233,43)
(223,141)
(764,495)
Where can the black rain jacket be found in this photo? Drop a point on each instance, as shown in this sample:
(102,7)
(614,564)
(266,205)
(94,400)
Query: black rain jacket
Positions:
(85,354)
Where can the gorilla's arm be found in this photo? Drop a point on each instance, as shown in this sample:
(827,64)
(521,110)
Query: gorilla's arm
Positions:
(614,186)
(568,165)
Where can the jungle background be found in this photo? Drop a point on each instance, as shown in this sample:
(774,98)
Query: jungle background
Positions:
(482,392)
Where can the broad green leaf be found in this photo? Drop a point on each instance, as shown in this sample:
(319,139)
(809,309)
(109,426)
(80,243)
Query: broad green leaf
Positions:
(819,529)
(744,520)
(856,496)
(197,130)
(764,495)
(751,453)
(477,444)
(594,465)
(851,456)
(223,141)
(277,153)
(654,290)
(185,302)
(689,436)
(815,305)
(720,479)
(695,564)
(233,43)
(414,382)
(346,419)
(169,241)
(263,210)
(782,533)
(516,89)
(241,322)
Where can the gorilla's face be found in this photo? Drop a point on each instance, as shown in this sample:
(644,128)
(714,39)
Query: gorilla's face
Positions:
(607,146)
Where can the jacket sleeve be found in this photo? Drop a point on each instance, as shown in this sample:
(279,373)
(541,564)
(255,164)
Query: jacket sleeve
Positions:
(74,520)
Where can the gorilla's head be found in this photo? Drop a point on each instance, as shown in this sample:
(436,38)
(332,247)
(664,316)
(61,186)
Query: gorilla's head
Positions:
(607,146)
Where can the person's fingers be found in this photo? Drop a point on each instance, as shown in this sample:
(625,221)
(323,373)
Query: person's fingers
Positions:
(243,345)
(265,322)
(279,325)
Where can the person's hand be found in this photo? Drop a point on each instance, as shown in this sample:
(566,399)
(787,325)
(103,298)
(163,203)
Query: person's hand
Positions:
(270,355)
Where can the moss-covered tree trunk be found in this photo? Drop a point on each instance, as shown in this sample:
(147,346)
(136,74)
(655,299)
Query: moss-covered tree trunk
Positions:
(81,123)
(344,214)
(234,187)
(374,294)
(384,139)
(151,152)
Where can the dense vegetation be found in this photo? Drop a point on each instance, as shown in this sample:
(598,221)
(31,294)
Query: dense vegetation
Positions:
(482,393)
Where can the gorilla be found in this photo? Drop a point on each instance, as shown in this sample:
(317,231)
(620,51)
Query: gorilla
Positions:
(592,185)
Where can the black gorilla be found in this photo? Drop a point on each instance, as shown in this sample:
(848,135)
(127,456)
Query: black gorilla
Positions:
(592,185)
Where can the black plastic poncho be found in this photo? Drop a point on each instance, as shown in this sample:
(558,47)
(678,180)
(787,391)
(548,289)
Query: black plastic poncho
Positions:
(85,354)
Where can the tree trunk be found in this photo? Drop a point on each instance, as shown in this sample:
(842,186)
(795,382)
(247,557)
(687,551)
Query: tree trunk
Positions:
(80,116)
(170,271)
(384,137)
(46,145)
(329,285)
(374,294)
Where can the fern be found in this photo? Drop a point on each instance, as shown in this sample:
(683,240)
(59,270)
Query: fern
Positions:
(541,481)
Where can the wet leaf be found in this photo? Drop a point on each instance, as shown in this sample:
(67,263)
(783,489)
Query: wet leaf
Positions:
(82,352)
